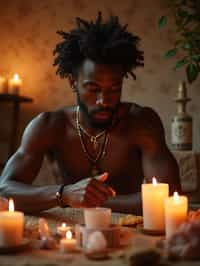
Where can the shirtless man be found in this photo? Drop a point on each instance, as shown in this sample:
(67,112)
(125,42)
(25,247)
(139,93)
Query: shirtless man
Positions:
(102,146)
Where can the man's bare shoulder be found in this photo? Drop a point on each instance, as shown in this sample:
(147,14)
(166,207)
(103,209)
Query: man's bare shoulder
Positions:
(47,126)
(146,117)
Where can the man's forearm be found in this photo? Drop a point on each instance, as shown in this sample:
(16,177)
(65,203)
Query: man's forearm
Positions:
(126,203)
(29,198)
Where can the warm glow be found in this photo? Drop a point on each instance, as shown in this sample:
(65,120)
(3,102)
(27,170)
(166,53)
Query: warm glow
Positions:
(154,181)
(63,225)
(11,205)
(16,77)
(69,234)
(176,197)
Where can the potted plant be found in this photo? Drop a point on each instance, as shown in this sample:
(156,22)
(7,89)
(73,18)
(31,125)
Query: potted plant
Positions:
(186,15)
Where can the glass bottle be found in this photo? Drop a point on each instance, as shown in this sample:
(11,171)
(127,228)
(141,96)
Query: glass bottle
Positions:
(181,128)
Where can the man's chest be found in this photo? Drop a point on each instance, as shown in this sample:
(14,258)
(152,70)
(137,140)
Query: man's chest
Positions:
(114,155)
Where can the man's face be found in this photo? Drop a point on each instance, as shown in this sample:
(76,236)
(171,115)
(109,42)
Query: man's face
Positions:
(99,91)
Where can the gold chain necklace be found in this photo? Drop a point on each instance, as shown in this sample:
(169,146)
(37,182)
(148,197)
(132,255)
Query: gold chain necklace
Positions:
(93,139)
(102,151)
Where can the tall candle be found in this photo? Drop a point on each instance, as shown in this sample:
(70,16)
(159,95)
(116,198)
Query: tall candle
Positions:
(153,199)
(176,208)
(11,226)
(15,84)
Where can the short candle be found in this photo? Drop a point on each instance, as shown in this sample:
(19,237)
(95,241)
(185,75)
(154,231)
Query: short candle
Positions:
(68,243)
(15,84)
(62,230)
(97,218)
(176,208)
(11,226)
(153,203)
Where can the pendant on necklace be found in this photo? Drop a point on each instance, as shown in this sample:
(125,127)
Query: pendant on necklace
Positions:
(94,142)
(94,170)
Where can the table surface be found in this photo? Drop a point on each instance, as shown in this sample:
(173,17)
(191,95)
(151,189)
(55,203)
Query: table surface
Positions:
(32,256)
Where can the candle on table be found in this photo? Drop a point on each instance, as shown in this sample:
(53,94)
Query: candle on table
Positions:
(153,203)
(97,218)
(62,230)
(68,243)
(11,226)
(15,84)
(3,85)
(176,208)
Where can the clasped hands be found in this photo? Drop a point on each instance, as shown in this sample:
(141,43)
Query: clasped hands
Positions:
(89,192)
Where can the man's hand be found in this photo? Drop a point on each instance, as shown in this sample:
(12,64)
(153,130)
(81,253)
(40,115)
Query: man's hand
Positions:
(89,192)
(3,204)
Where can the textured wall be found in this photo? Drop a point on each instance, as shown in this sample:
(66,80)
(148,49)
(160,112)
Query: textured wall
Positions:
(28,36)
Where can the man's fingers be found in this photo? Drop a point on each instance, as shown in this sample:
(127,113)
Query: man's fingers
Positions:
(102,177)
(113,192)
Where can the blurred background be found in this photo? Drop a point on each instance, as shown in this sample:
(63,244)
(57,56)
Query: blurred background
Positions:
(28,37)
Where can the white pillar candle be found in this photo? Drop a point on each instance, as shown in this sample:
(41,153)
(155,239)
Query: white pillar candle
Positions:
(15,84)
(97,218)
(11,226)
(62,230)
(153,199)
(68,243)
(176,208)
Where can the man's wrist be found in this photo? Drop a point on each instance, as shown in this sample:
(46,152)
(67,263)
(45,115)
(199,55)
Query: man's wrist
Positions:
(59,196)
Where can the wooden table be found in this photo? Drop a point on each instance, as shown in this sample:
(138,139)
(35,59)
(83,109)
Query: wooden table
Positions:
(121,257)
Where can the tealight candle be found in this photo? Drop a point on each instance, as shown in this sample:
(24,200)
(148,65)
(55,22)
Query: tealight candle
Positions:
(62,230)
(68,243)
(11,226)
(97,218)
(176,208)
(15,84)
(153,203)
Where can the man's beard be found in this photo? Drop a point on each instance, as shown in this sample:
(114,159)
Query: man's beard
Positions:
(98,124)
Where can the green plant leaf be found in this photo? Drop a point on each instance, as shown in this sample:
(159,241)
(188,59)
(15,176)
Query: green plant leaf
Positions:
(192,72)
(196,57)
(187,46)
(162,22)
(181,62)
(171,53)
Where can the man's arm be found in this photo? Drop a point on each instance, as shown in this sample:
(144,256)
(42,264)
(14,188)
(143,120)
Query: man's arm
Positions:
(157,160)
(23,166)
(130,203)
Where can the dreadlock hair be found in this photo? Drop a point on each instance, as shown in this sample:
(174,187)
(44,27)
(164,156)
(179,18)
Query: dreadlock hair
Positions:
(103,42)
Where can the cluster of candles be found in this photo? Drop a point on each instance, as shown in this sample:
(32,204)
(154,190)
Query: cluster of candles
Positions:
(161,212)
(11,86)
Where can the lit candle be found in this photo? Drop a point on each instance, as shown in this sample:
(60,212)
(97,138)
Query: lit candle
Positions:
(15,84)
(68,243)
(153,199)
(62,230)
(97,218)
(11,226)
(3,85)
(176,208)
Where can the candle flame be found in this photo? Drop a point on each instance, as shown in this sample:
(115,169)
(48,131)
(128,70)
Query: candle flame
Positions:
(16,77)
(63,225)
(11,205)
(69,234)
(154,181)
(176,197)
